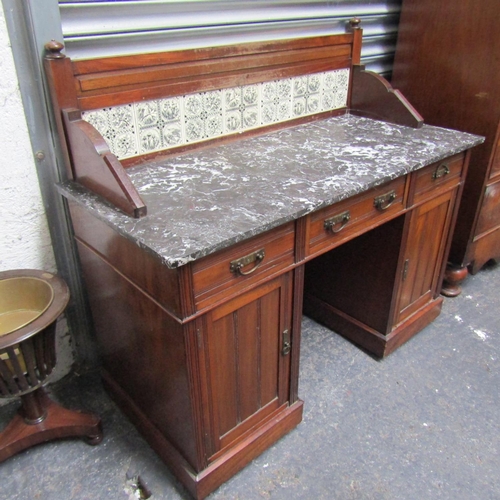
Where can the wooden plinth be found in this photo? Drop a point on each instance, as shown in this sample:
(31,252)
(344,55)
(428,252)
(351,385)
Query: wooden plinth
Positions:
(200,484)
(372,341)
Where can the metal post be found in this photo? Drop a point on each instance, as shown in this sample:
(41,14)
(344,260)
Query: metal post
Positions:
(31,24)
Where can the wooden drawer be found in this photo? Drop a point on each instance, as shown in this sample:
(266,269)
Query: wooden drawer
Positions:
(335,224)
(437,176)
(217,276)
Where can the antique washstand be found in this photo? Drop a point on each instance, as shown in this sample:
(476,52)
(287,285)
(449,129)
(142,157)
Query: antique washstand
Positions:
(213,192)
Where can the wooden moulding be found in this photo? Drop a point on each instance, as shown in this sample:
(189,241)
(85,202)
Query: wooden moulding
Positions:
(373,97)
(95,167)
(201,484)
(124,79)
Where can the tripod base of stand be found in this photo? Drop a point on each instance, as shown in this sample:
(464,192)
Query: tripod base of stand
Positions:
(46,422)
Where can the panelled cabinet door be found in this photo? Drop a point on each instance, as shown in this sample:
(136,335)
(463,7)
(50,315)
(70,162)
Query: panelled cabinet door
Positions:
(423,259)
(247,362)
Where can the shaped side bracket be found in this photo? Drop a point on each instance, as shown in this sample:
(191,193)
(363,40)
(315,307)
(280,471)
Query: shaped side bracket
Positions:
(373,97)
(95,167)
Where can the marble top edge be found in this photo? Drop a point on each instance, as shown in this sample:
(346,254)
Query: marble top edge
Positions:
(206,200)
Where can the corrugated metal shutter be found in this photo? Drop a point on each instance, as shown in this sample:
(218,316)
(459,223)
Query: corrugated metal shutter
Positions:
(95,28)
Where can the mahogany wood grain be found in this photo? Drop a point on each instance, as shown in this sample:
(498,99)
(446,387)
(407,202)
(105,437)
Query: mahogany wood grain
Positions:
(115,96)
(59,75)
(373,97)
(439,176)
(495,164)
(424,253)
(490,214)
(357,32)
(192,71)
(296,333)
(383,282)
(367,338)
(250,374)
(213,280)
(405,330)
(95,167)
(137,336)
(128,259)
(99,83)
(195,356)
(90,66)
(143,347)
(123,80)
(202,484)
(453,278)
(363,215)
(485,249)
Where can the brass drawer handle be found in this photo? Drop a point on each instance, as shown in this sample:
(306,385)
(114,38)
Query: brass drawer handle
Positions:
(441,171)
(384,201)
(341,219)
(236,266)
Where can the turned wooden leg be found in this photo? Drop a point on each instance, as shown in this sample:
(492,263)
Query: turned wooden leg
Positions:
(453,278)
(40,419)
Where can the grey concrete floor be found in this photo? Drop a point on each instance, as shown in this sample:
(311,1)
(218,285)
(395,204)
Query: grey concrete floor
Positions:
(422,424)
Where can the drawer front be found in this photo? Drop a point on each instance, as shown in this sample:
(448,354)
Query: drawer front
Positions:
(234,269)
(440,175)
(335,224)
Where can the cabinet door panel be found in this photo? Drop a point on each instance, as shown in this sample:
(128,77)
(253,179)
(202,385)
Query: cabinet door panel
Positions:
(224,373)
(424,255)
(248,375)
(489,217)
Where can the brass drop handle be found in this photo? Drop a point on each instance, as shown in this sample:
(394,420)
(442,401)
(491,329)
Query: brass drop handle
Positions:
(441,171)
(384,201)
(236,266)
(342,219)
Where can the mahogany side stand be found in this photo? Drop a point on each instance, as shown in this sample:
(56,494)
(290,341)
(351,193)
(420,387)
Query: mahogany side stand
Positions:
(30,303)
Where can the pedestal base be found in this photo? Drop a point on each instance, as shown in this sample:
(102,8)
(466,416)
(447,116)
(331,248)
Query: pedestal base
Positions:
(58,422)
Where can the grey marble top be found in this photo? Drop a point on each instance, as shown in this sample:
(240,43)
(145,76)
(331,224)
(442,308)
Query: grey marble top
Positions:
(209,199)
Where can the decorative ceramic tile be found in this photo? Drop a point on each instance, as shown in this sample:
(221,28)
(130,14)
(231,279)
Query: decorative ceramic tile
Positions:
(151,126)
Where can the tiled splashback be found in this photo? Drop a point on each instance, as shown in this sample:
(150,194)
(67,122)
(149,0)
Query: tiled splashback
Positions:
(150,126)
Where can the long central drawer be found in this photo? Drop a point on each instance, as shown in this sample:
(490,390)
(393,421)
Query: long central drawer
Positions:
(333,225)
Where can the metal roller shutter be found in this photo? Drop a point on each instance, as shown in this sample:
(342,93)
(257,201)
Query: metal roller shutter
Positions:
(94,28)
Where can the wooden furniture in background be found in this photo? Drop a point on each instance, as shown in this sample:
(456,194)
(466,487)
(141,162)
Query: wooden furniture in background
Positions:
(447,64)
